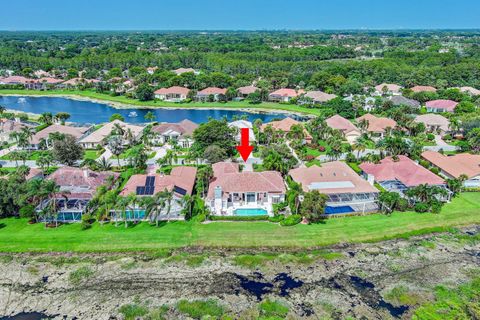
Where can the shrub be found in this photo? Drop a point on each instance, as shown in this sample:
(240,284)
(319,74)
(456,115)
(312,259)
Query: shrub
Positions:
(200,308)
(447,137)
(27,211)
(350,157)
(430,137)
(424,163)
(436,206)
(309,157)
(435,170)
(80,274)
(402,204)
(273,309)
(133,311)
(321,149)
(277,218)
(291,220)
(421,207)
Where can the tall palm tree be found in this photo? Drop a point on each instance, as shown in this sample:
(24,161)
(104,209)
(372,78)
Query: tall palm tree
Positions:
(186,202)
(49,190)
(155,208)
(122,205)
(360,145)
(104,165)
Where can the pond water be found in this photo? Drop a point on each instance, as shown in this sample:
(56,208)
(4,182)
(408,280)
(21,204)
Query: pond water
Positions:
(92,112)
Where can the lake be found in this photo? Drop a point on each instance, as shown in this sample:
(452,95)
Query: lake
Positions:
(93,112)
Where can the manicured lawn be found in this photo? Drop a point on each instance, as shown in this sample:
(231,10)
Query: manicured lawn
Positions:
(18,236)
(158,104)
(33,155)
(90,154)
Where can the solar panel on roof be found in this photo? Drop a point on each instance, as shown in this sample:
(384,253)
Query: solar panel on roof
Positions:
(140,191)
(149,190)
(180,190)
(150,181)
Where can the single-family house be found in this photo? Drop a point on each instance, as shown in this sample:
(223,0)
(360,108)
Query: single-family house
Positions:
(452,167)
(78,82)
(347,192)
(319,96)
(181,133)
(17,80)
(232,192)
(172,94)
(98,137)
(179,182)
(368,102)
(180,71)
(243,92)
(46,83)
(285,126)
(151,70)
(44,135)
(210,92)
(77,188)
(417,89)
(470,90)
(401,174)
(350,131)
(434,122)
(388,88)
(377,126)
(7,127)
(403,101)
(441,105)
(284,94)
(239,124)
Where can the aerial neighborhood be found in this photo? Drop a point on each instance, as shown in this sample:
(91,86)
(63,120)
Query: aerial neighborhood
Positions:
(337,148)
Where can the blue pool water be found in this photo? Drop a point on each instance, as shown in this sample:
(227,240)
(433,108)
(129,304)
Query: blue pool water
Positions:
(92,112)
(250,212)
(338,210)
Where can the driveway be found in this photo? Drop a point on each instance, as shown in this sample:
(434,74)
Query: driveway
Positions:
(440,144)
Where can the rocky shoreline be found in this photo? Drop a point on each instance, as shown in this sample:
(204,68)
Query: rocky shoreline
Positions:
(350,281)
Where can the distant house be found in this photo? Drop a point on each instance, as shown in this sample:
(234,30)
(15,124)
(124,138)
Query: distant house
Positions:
(319,96)
(181,133)
(470,90)
(402,101)
(377,126)
(244,92)
(391,89)
(417,89)
(232,192)
(347,192)
(284,94)
(151,70)
(368,102)
(99,136)
(7,127)
(179,182)
(44,135)
(239,124)
(77,188)
(454,166)
(180,71)
(434,122)
(205,94)
(441,105)
(46,83)
(400,175)
(172,94)
(285,126)
(18,80)
(77,82)
(351,132)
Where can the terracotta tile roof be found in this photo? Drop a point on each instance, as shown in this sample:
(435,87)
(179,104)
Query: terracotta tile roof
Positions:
(247,90)
(377,124)
(448,105)
(80,180)
(230,180)
(77,81)
(184,127)
(34,173)
(285,125)
(15,79)
(320,96)
(99,135)
(340,123)
(331,178)
(401,100)
(423,88)
(179,71)
(407,171)
(431,119)
(49,80)
(285,92)
(77,132)
(180,177)
(173,90)
(456,165)
(390,86)
(211,90)
(470,90)
(7,126)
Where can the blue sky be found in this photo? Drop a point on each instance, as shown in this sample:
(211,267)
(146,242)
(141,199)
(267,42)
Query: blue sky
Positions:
(237,15)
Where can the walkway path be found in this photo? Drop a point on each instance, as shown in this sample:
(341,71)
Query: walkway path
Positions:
(440,144)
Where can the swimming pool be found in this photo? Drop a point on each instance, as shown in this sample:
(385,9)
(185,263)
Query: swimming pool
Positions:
(250,212)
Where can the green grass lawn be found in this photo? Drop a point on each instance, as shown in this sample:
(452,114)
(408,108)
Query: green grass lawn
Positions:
(33,155)
(16,235)
(158,104)
(90,154)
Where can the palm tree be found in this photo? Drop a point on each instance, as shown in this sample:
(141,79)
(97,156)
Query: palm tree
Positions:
(360,145)
(104,165)
(46,118)
(49,190)
(122,205)
(45,160)
(155,208)
(115,145)
(150,116)
(168,201)
(186,202)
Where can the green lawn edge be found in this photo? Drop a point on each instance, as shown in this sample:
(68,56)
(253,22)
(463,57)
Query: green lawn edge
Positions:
(16,235)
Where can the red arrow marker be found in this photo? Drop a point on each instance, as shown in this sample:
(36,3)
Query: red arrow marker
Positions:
(244,148)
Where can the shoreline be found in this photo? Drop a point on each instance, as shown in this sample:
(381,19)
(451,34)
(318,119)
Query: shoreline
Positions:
(126,106)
